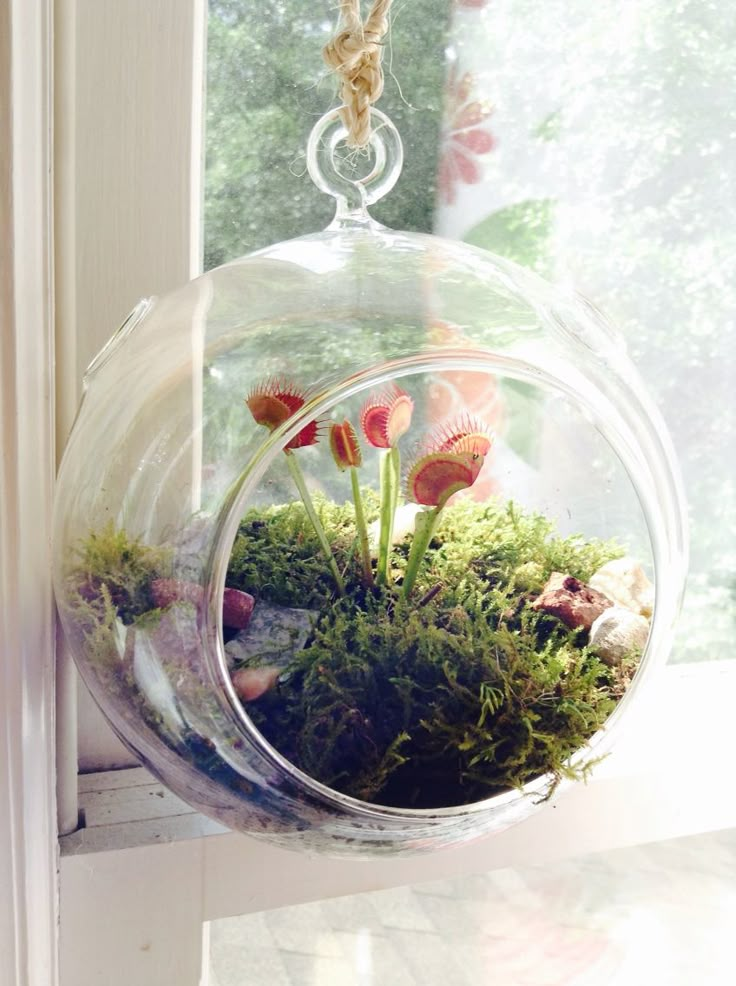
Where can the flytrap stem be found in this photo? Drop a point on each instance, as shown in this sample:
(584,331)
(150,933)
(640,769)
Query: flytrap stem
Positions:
(298,477)
(365,550)
(390,472)
(424,527)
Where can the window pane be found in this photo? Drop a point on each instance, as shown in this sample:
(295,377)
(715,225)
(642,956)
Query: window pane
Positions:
(595,143)
(267,86)
(613,171)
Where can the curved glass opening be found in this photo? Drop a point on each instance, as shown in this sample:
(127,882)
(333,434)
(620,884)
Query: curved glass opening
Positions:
(554,459)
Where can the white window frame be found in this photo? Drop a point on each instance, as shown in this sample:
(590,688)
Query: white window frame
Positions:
(135,896)
(128,152)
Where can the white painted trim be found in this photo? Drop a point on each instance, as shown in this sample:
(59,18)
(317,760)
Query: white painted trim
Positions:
(661,782)
(65,398)
(28,847)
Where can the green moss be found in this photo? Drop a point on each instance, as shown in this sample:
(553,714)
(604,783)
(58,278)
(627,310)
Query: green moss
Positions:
(450,697)
(109,583)
(276,554)
(110,565)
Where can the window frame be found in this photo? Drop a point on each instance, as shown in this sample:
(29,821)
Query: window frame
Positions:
(28,844)
(129,81)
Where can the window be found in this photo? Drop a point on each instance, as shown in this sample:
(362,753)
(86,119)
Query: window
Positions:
(595,145)
(611,165)
(267,86)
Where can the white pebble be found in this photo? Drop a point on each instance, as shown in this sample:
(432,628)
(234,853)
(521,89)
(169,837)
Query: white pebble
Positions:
(404,520)
(618,632)
(625,583)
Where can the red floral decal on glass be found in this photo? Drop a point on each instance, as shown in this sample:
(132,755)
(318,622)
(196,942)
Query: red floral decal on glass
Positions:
(457,393)
(464,137)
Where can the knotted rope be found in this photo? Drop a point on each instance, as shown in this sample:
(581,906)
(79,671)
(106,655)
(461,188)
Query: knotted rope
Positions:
(355,54)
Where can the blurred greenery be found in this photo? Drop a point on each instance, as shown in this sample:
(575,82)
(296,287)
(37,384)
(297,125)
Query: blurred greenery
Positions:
(613,173)
(520,232)
(267,86)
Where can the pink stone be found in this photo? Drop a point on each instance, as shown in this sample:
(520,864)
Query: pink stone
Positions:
(251,683)
(237,606)
(571,601)
(164,592)
(237,609)
(176,637)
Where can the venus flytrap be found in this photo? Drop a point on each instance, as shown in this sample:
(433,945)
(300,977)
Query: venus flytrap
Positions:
(272,403)
(452,461)
(385,418)
(449,461)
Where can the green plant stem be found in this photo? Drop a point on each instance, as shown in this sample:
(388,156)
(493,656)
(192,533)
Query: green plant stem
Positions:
(298,477)
(389,477)
(365,550)
(424,527)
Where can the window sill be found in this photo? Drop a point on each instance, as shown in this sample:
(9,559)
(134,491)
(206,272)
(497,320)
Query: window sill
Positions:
(164,870)
(663,779)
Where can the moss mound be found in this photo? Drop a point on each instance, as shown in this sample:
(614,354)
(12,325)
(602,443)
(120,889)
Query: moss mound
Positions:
(448,698)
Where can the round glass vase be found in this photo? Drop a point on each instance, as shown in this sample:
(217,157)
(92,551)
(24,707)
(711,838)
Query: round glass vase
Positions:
(165,460)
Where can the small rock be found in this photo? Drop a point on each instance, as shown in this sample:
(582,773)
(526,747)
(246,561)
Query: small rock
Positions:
(237,606)
(274,632)
(164,592)
(571,601)
(618,632)
(624,581)
(251,683)
(237,609)
(176,638)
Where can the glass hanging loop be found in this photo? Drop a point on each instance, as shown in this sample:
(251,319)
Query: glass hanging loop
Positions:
(335,168)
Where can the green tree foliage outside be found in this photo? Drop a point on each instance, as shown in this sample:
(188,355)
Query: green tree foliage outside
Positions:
(267,86)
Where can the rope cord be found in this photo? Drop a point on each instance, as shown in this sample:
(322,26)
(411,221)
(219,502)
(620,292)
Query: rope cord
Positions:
(355,55)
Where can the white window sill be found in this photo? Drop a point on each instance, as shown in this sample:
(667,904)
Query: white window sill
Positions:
(666,777)
(164,870)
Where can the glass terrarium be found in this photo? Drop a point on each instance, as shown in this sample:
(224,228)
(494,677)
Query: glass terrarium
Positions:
(365,542)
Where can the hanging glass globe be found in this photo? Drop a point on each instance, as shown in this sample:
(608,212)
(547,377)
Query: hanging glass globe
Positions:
(367,541)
